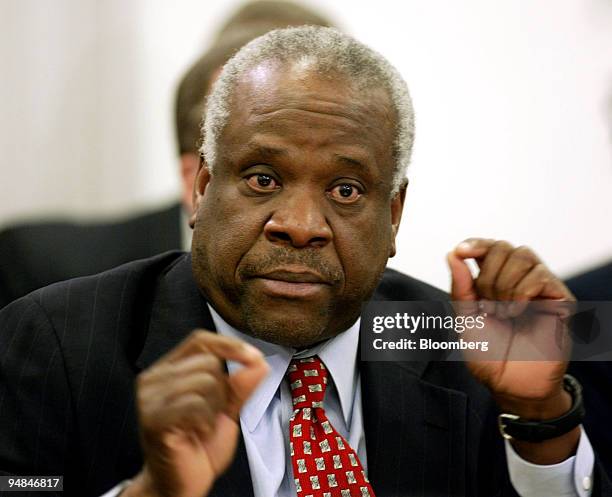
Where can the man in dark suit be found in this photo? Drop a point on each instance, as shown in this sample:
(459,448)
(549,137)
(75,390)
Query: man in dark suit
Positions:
(297,204)
(80,374)
(37,254)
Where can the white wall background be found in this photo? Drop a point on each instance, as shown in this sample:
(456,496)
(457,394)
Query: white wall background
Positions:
(512,101)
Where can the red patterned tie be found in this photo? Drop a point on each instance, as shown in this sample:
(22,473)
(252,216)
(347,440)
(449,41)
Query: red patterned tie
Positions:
(324,465)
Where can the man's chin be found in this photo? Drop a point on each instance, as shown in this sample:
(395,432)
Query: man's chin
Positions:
(289,325)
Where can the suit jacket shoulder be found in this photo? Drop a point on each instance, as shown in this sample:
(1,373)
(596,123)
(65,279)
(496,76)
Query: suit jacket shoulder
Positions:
(68,372)
(398,286)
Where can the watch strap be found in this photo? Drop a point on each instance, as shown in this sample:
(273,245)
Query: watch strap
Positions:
(513,427)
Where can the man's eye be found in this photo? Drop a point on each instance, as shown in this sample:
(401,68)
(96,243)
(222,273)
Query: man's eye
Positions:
(262,182)
(345,193)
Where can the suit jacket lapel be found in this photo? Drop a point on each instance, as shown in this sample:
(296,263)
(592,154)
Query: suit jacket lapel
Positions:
(415,431)
(177,310)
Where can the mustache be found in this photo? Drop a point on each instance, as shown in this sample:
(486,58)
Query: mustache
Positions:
(310,259)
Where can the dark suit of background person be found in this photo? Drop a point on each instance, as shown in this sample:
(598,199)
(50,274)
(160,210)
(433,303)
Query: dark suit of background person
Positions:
(38,254)
(595,284)
(596,377)
(69,411)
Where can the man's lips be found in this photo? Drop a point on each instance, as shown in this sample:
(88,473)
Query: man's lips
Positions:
(290,276)
(290,283)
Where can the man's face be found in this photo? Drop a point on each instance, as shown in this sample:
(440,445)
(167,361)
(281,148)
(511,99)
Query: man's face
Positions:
(295,225)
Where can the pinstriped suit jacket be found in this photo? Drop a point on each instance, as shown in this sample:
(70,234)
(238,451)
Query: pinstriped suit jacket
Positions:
(69,355)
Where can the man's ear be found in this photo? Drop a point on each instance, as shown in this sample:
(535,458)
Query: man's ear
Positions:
(190,163)
(199,187)
(397,206)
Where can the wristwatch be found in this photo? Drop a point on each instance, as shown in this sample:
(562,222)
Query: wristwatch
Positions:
(513,427)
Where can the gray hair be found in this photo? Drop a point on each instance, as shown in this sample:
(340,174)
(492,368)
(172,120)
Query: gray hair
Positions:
(330,50)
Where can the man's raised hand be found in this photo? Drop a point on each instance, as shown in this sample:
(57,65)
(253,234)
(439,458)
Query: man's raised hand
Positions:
(188,410)
(531,389)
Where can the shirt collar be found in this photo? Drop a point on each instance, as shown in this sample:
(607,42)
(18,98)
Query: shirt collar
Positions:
(338,353)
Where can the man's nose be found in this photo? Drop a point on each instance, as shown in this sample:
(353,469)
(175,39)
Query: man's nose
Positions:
(299,221)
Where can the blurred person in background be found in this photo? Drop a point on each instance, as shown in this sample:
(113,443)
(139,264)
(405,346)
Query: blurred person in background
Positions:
(596,376)
(596,283)
(38,254)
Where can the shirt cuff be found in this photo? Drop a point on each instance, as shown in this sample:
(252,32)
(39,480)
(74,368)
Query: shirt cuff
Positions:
(116,490)
(570,478)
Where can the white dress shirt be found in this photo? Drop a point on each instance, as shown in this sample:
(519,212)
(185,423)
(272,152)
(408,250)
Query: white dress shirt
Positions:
(264,420)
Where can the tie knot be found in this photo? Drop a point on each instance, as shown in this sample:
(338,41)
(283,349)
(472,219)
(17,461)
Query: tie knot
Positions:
(308,380)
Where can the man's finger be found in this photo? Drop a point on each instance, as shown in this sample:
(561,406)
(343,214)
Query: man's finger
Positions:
(519,263)
(200,351)
(540,283)
(173,371)
(474,248)
(207,385)
(244,382)
(490,268)
(462,283)
(190,412)
(227,348)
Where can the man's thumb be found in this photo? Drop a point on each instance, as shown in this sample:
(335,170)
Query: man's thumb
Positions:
(244,382)
(462,284)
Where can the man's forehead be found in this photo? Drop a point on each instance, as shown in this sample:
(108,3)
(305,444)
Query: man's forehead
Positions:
(275,108)
(269,84)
